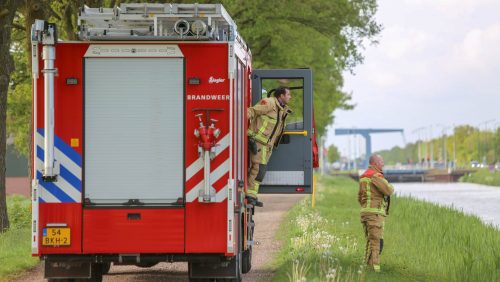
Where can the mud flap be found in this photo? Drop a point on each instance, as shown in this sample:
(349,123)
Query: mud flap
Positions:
(230,268)
(68,269)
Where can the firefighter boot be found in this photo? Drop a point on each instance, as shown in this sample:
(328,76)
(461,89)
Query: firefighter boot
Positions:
(254,201)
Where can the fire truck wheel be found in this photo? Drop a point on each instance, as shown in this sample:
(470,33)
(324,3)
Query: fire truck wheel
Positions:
(246,260)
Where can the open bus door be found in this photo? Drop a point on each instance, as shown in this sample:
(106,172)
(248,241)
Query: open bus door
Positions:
(290,168)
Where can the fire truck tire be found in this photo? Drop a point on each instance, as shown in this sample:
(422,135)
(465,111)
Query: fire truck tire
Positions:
(246,260)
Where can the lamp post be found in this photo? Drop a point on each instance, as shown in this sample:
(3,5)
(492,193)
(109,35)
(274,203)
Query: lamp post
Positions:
(444,128)
(454,148)
(431,147)
(482,158)
(418,132)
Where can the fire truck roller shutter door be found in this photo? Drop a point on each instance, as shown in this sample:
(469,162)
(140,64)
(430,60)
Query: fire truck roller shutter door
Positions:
(134,111)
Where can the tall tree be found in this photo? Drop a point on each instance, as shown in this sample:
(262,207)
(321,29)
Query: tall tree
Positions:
(7,12)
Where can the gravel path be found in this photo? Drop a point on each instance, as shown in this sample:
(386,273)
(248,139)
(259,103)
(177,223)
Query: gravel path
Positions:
(267,221)
(480,200)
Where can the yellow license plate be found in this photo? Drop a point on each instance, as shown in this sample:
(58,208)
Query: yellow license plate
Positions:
(56,236)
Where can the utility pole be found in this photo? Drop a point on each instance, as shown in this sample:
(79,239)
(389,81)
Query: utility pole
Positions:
(480,155)
(445,139)
(495,142)
(431,148)
(444,128)
(454,148)
(418,131)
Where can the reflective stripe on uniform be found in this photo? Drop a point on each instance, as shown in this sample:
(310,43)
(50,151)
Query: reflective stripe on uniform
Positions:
(263,128)
(269,119)
(368,190)
(256,137)
(264,155)
(260,136)
(373,210)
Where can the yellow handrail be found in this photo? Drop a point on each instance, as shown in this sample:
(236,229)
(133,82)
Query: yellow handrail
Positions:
(296,132)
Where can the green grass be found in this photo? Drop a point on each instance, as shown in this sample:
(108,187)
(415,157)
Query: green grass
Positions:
(483,176)
(15,247)
(423,242)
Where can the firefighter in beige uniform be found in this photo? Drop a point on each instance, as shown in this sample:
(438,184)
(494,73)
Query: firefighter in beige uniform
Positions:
(374,198)
(267,123)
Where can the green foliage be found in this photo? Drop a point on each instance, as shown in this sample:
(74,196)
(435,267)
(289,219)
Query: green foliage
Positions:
(483,176)
(333,154)
(19,96)
(319,34)
(19,209)
(323,35)
(15,244)
(471,144)
(18,116)
(423,241)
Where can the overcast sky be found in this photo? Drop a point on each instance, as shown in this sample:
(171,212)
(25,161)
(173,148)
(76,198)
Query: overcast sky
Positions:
(437,63)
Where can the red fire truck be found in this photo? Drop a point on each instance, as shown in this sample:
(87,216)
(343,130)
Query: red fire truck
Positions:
(139,141)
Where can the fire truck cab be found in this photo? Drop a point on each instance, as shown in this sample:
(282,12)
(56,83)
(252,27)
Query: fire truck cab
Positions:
(140,141)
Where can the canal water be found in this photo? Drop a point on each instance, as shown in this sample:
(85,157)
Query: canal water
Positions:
(480,200)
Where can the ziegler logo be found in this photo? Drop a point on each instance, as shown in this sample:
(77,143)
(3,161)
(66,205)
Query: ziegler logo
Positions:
(212,80)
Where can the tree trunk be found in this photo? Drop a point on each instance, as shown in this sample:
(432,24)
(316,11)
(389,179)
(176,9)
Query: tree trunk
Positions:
(7,13)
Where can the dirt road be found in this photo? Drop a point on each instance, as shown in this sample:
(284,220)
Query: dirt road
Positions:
(267,221)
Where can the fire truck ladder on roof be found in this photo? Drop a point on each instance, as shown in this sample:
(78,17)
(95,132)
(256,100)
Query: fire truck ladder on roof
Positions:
(147,21)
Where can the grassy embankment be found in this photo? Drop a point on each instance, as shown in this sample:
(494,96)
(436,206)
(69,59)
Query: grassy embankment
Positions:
(483,176)
(423,242)
(15,247)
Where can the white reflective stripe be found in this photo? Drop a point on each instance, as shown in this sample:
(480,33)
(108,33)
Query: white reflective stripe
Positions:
(193,193)
(198,164)
(221,195)
(194,168)
(68,189)
(214,177)
(62,158)
(219,172)
(46,196)
(62,184)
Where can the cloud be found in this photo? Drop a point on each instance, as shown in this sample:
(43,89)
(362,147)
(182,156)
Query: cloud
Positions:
(400,42)
(478,50)
(452,8)
(437,62)
(385,79)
